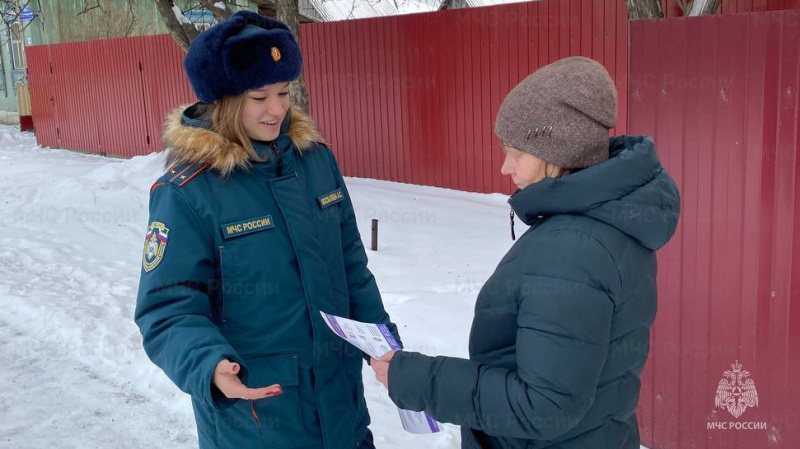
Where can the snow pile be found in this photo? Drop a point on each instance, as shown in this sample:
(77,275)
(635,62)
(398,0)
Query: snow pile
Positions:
(179,15)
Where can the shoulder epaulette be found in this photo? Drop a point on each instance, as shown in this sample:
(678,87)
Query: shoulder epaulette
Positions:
(181,174)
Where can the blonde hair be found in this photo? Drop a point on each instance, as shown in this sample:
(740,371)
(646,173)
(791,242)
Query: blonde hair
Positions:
(225,117)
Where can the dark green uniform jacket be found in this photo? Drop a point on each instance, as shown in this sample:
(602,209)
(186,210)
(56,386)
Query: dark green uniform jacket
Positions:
(240,258)
(561,329)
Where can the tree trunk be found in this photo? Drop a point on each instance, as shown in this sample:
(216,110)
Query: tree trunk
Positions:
(704,7)
(220,14)
(182,33)
(644,9)
(288,13)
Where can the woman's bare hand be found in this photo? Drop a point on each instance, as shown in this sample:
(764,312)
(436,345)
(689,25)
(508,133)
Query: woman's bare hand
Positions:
(226,379)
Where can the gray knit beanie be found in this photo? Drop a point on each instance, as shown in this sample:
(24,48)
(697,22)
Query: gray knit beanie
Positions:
(561,113)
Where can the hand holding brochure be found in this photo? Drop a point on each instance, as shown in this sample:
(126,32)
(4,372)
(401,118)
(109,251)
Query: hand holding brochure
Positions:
(376,340)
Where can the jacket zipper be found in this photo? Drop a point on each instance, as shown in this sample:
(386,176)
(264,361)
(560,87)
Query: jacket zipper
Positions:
(255,415)
(279,164)
(535,225)
(511,216)
(311,320)
(221,285)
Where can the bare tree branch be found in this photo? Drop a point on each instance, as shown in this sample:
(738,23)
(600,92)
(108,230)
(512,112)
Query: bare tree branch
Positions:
(17,11)
(40,16)
(132,24)
(87,8)
(703,7)
(220,14)
(651,9)
(644,9)
(182,33)
(268,3)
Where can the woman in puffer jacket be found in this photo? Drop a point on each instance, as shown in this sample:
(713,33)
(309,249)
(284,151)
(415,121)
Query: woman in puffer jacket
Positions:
(252,234)
(561,329)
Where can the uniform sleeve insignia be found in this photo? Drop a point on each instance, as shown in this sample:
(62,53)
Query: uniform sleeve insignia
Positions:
(155,243)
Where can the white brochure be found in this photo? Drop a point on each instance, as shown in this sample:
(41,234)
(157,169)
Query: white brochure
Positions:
(376,340)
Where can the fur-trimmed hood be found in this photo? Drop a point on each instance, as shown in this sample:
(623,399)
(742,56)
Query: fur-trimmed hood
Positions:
(192,144)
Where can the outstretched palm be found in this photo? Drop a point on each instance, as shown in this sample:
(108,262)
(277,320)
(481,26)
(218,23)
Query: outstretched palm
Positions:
(226,379)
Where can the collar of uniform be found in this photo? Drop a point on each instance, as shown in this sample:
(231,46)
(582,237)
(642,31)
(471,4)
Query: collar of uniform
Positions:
(191,141)
(283,144)
(191,117)
(287,154)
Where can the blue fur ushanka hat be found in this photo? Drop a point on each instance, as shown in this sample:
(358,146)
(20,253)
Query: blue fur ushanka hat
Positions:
(247,51)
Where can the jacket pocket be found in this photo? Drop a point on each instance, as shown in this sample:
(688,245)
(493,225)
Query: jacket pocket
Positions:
(278,418)
(260,281)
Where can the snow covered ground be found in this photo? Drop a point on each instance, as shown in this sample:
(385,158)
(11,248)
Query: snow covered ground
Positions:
(74,374)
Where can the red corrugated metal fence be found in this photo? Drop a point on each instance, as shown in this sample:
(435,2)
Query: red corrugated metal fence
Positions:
(107,96)
(720,96)
(413,98)
(408,98)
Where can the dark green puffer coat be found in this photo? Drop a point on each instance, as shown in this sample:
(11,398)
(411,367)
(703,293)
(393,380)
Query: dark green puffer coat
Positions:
(561,329)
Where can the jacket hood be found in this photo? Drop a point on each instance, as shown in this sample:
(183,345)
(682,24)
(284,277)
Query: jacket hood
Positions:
(191,140)
(630,191)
